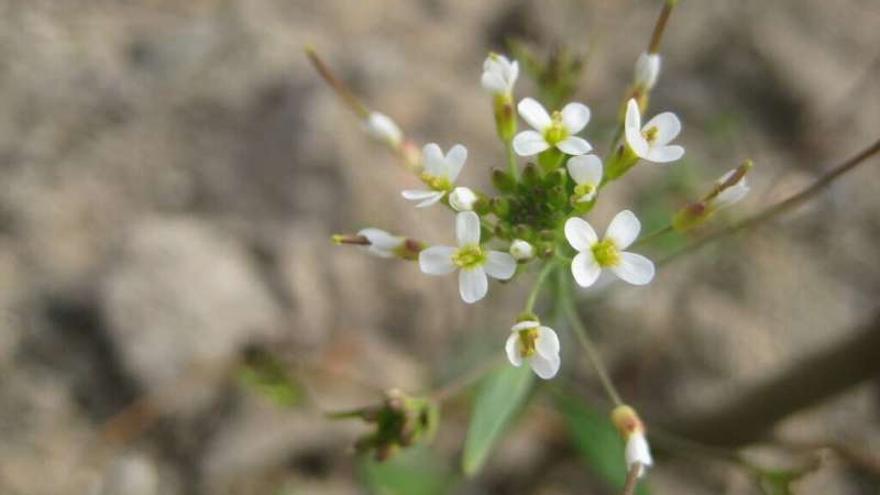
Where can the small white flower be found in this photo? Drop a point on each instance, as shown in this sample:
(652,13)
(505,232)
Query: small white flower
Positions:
(647,70)
(557,130)
(651,142)
(499,74)
(730,194)
(462,199)
(439,174)
(594,255)
(586,170)
(638,450)
(382,244)
(473,260)
(521,250)
(536,345)
(383,129)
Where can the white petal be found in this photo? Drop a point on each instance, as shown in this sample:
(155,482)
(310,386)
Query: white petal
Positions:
(528,143)
(455,161)
(573,145)
(624,229)
(647,70)
(584,269)
(381,243)
(580,234)
(668,127)
(545,368)
(585,169)
(633,129)
(634,268)
(547,344)
(532,112)
(732,194)
(521,250)
(524,325)
(383,128)
(426,197)
(472,284)
(500,265)
(638,450)
(512,74)
(432,159)
(664,154)
(493,82)
(437,260)
(575,116)
(462,199)
(511,347)
(467,228)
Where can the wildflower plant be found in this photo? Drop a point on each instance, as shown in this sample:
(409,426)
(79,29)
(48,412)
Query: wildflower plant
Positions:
(537,220)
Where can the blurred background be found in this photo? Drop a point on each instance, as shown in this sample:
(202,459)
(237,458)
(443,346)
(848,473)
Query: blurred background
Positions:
(171,173)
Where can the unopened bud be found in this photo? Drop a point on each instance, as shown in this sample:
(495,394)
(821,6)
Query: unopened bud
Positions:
(521,250)
(647,71)
(728,189)
(462,199)
(383,129)
(631,428)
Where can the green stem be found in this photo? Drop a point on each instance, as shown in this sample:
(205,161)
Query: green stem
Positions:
(581,333)
(653,236)
(512,167)
(536,289)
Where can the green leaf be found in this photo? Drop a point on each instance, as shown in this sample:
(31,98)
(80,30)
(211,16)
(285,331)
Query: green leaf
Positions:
(414,471)
(501,396)
(597,440)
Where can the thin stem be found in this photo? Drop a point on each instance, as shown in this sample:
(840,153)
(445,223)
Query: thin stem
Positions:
(464,381)
(653,236)
(512,167)
(334,82)
(592,354)
(660,26)
(783,206)
(536,289)
(632,479)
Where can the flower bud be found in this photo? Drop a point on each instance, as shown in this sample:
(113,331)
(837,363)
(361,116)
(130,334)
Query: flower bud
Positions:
(728,189)
(383,129)
(521,250)
(647,71)
(631,428)
(462,199)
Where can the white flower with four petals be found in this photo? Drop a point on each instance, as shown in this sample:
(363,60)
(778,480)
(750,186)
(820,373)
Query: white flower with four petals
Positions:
(594,254)
(537,345)
(499,74)
(586,171)
(439,173)
(549,131)
(651,142)
(473,261)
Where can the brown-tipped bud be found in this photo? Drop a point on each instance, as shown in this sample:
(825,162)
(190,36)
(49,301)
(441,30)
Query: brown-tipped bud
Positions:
(357,240)
(627,421)
(727,190)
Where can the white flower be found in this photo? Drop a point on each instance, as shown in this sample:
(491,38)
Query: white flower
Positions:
(382,244)
(383,129)
(586,170)
(521,250)
(651,142)
(536,345)
(439,174)
(499,74)
(558,130)
(594,255)
(732,193)
(474,261)
(462,199)
(647,70)
(638,450)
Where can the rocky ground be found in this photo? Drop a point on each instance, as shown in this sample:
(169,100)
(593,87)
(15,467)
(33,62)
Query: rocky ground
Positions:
(170,174)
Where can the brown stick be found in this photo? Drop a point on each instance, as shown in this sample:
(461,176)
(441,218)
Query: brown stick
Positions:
(632,479)
(751,415)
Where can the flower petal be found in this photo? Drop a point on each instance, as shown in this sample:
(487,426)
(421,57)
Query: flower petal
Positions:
(638,450)
(493,82)
(575,116)
(547,344)
(524,324)
(633,127)
(664,154)
(472,284)
(500,265)
(624,229)
(467,228)
(426,197)
(437,260)
(634,269)
(584,269)
(432,159)
(573,145)
(668,127)
(455,161)
(732,194)
(533,112)
(381,243)
(511,347)
(580,234)
(585,169)
(545,368)
(528,143)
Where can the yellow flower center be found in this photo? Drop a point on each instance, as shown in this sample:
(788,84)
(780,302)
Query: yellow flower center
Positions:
(528,339)
(556,132)
(606,253)
(650,134)
(470,256)
(436,183)
(582,190)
